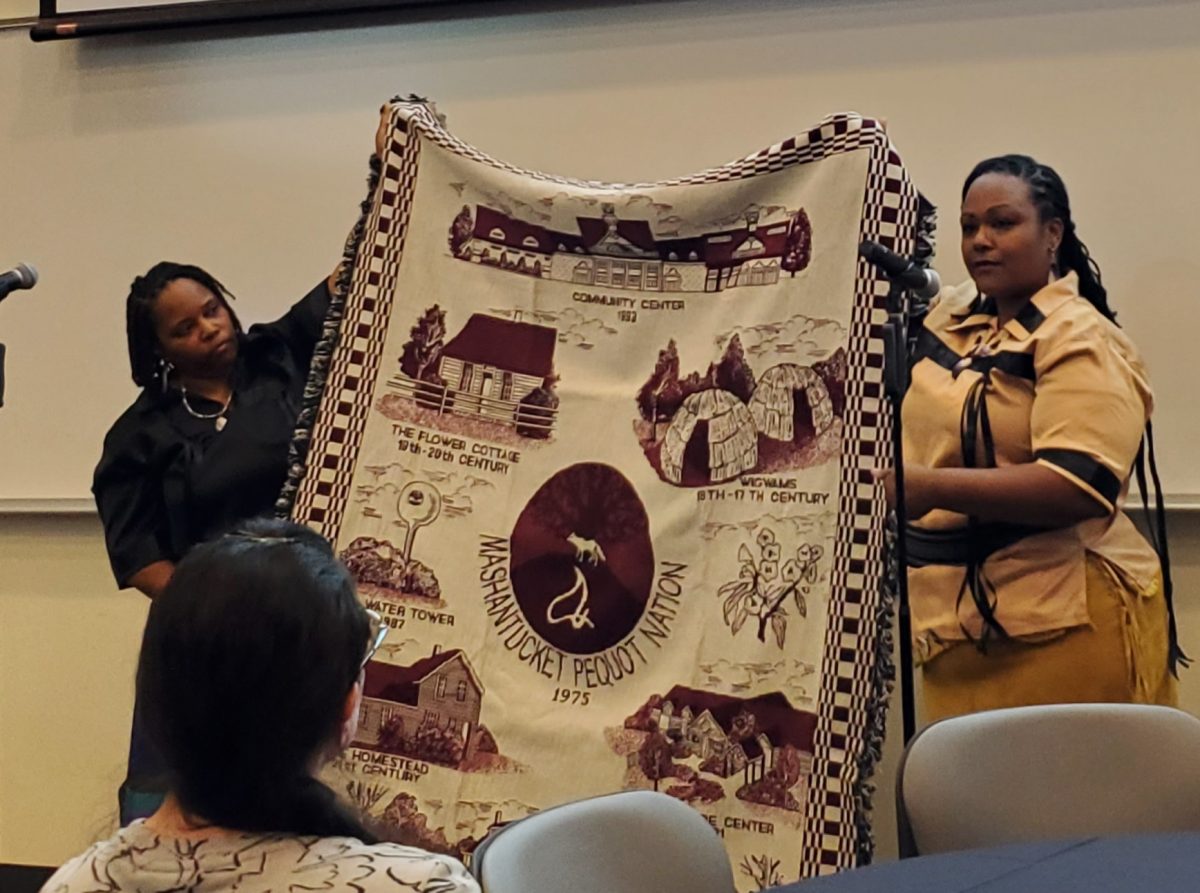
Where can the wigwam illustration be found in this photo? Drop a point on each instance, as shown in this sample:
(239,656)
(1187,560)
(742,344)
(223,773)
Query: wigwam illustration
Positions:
(698,430)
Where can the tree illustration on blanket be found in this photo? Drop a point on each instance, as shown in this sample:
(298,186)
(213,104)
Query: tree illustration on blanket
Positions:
(654,757)
(420,354)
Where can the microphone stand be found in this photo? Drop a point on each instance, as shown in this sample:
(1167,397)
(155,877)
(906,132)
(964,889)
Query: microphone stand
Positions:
(896,380)
(21,276)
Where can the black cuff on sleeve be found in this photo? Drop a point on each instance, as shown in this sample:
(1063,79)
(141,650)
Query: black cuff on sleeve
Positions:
(1086,469)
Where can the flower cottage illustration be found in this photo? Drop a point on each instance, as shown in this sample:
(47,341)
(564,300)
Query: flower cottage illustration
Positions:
(496,371)
(612,252)
(428,710)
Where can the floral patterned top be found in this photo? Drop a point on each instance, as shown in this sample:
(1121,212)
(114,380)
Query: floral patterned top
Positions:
(139,860)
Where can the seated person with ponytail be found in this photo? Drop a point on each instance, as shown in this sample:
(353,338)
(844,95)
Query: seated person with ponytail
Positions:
(250,678)
(1026,414)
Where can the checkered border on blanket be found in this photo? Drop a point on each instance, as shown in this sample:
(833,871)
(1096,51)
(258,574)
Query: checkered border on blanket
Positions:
(839,791)
(325,490)
(852,707)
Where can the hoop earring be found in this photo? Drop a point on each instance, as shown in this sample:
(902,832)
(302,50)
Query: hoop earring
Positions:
(165,368)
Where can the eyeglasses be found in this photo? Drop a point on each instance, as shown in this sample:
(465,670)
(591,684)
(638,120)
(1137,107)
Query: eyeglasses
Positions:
(379,631)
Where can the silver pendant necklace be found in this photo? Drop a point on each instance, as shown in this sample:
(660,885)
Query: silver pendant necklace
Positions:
(219,415)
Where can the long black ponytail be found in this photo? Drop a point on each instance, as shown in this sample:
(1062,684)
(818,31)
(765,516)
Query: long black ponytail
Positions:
(246,664)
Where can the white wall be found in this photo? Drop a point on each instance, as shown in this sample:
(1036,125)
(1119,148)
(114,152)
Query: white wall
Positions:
(68,647)
(17,9)
(247,154)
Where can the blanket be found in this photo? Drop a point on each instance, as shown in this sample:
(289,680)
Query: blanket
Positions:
(600,455)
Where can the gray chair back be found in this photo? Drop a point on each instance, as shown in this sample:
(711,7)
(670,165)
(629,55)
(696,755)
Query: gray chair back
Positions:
(629,842)
(1047,772)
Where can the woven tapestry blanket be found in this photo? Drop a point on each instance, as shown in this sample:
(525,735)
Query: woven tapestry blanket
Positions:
(600,455)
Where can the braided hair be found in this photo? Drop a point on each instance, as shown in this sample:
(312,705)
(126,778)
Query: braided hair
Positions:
(1049,196)
(145,360)
(246,663)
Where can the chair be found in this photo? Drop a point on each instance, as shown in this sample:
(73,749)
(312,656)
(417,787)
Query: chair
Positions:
(1040,773)
(629,842)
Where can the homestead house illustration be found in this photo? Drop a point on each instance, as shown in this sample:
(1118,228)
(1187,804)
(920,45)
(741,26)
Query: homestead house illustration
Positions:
(611,252)
(704,723)
(441,690)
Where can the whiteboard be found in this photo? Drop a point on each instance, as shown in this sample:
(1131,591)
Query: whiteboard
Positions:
(247,154)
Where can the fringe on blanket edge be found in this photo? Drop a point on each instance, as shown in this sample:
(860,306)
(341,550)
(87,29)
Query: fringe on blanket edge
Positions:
(323,354)
(883,684)
(883,680)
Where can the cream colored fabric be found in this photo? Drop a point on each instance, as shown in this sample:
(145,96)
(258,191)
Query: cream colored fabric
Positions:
(600,454)
(139,860)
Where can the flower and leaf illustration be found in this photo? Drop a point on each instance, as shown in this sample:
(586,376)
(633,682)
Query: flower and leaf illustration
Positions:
(764,585)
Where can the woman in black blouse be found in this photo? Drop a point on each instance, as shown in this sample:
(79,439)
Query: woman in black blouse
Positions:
(204,445)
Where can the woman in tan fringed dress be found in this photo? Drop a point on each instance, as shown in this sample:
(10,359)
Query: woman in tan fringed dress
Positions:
(1028,584)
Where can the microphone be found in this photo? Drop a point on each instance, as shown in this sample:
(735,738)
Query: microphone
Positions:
(20,276)
(923,282)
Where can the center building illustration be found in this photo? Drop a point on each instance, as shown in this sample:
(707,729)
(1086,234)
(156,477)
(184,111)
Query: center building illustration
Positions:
(611,252)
